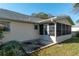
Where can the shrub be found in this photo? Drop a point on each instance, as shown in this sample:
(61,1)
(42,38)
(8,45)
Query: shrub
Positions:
(1,33)
(12,48)
(77,35)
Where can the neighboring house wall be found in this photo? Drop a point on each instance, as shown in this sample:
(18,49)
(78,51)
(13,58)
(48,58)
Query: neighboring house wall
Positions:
(75,30)
(21,32)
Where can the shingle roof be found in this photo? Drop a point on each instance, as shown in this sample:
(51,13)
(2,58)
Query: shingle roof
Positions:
(11,15)
(59,19)
(7,14)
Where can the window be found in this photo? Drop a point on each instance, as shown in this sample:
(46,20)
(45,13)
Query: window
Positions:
(6,26)
(41,29)
(51,29)
(35,26)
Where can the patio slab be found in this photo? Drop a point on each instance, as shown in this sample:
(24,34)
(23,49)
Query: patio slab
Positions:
(32,45)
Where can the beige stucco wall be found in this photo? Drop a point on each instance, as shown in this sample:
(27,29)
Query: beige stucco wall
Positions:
(21,32)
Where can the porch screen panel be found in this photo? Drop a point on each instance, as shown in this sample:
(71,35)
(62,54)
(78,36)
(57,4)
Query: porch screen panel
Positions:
(45,29)
(58,29)
(68,29)
(52,29)
(63,29)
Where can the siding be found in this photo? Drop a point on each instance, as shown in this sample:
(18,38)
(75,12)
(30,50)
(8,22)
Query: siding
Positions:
(21,32)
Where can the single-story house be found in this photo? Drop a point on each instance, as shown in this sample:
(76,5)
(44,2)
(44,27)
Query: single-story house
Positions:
(22,27)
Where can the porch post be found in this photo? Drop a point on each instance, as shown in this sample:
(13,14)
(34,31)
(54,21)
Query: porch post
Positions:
(47,29)
(55,31)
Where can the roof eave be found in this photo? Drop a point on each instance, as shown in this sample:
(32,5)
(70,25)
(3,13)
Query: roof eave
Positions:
(9,20)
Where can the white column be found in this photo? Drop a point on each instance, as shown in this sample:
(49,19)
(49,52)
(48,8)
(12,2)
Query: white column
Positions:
(55,30)
(55,33)
(47,29)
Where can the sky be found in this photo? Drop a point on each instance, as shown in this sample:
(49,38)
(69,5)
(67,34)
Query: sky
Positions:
(55,9)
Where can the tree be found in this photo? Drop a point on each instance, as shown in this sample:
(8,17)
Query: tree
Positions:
(77,21)
(76,8)
(42,15)
(69,19)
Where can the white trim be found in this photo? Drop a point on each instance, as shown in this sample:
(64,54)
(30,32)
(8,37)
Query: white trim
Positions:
(48,29)
(50,19)
(55,30)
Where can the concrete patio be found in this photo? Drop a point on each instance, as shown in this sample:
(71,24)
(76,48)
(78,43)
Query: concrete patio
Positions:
(32,45)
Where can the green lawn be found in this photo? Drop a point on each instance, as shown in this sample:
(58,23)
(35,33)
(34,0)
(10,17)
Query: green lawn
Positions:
(67,48)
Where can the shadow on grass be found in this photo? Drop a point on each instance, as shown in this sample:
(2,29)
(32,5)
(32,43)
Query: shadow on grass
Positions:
(36,53)
(72,40)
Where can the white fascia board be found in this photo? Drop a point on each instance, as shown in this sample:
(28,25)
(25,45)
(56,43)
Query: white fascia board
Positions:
(51,19)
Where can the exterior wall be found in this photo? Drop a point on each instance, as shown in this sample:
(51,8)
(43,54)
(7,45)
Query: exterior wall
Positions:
(25,31)
(54,39)
(58,39)
(21,32)
(74,33)
(62,38)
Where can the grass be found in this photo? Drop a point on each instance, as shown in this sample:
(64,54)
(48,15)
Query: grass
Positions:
(67,48)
